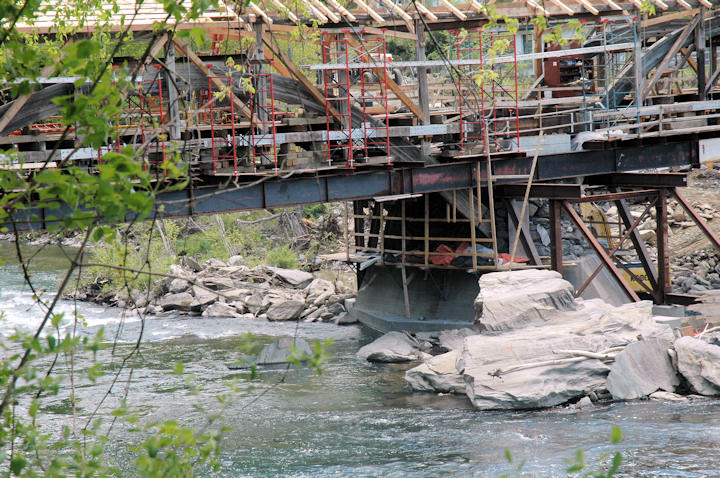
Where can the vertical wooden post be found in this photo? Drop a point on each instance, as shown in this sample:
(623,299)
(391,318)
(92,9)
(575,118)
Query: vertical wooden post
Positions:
(406,295)
(700,48)
(478,183)
(427,229)
(663,279)
(473,240)
(423,91)
(261,97)
(402,229)
(638,68)
(454,207)
(382,232)
(173,105)
(556,249)
(347,232)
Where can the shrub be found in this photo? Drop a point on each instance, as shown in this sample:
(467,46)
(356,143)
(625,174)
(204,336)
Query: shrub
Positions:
(283,257)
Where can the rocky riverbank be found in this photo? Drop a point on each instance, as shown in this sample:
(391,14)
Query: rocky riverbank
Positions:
(534,346)
(232,289)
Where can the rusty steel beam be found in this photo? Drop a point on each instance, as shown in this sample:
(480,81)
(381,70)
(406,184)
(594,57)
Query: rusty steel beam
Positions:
(619,244)
(600,251)
(540,190)
(641,180)
(644,193)
(525,237)
(700,222)
(663,281)
(556,249)
(638,243)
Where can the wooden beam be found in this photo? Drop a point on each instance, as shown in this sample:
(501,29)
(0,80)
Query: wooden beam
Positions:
(181,47)
(686,54)
(668,17)
(564,7)
(425,11)
(295,71)
(320,16)
(405,99)
(342,10)
(679,42)
(285,10)
(370,11)
(401,13)
(326,11)
(454,10)
(260,12)
(661,4)
(588,6)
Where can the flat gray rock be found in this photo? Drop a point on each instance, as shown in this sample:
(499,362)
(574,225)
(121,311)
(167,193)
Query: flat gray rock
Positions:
(280,351)
(285,310)
(438,374)
(182,301)
(291,276)
(392,347)
(699,363)
(513,299)
(640,369)
(220,309)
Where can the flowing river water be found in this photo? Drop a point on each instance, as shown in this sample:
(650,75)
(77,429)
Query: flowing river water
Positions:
(355,419)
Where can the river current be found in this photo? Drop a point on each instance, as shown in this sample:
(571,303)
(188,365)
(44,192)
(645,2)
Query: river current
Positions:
(355,418)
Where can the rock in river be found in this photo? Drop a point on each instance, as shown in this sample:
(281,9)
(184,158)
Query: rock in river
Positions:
(285,310)
(392,347)
(438,374)
(640,369)
(512,299)
(699,363)
(280,351)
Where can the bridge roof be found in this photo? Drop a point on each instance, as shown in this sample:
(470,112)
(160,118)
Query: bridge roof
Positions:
(281,14)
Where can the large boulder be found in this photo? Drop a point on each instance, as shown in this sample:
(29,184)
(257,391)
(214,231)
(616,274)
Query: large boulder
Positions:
(293,277)
(528,368)
(319,290)
(640,369)
(203,297)
(285,310)
(182,301)
(454,339)
(438,374)
(392,347)
(280,351)
(699,363)
(220,309)
(513,299)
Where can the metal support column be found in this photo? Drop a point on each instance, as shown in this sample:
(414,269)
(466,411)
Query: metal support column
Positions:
(700,48)
(423,91)
(173,104)
(556,248)
(663,281)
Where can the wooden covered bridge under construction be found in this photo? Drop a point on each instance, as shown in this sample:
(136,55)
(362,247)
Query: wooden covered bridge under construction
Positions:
(435,121)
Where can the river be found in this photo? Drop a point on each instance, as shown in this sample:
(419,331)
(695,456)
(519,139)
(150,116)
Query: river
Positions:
(355,419)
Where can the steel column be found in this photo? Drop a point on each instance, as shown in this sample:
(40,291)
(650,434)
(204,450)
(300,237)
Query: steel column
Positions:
(600,251)
(663,281)
(556,248)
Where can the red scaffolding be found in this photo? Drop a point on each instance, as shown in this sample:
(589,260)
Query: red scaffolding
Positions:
(152,120)
(374,98)
(336,83)
(488,90)
(263,133)
(222,124)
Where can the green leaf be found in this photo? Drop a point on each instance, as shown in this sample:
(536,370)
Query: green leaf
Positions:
(616,435)
(508,456)
(17,464)
(178,369)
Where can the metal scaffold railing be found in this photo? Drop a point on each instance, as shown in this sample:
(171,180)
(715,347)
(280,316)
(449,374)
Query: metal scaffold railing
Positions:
(488,90)
(222,123)
(374,99)
(263,133)
(152,120)
(338,100)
